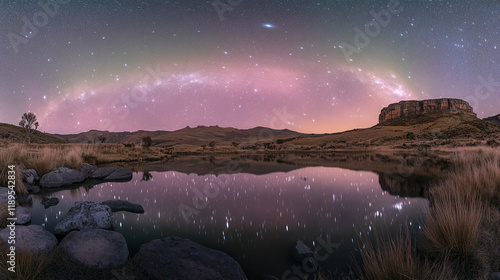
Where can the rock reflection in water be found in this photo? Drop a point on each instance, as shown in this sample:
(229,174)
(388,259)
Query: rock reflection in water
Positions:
(256,219)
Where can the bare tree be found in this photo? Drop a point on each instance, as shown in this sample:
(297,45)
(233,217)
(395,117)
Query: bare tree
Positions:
(101,138)
(147,141)
(30,123)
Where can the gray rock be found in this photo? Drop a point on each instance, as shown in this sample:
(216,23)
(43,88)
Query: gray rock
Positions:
(85,215)
(95,248)
(61,177)
(101,173)
(32,188)
(4,195)
(120,174)
(30,176)
(32,238)
(301,251)
(122,205)
(111,174)
(49,202)
(23,215)
(176,258)
(87,169)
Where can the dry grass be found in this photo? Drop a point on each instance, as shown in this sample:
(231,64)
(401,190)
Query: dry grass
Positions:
(461,237)
(393,259)
(4,214)
(29,266)
(45,158)
(398,259)
(477,175)
(12,156)
(451,236)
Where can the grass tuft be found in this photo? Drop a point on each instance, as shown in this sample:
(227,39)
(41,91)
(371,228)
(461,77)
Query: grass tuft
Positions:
(29,266)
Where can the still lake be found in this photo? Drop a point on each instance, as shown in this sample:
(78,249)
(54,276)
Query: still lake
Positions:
(255,217)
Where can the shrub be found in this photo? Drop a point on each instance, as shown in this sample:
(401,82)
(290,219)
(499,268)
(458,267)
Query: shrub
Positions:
(146,142)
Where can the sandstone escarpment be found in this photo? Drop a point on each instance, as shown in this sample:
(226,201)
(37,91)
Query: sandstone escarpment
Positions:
(418,108)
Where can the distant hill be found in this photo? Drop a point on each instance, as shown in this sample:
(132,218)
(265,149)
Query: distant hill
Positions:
(9,132)
(494,119)
(428,128)
(201,135)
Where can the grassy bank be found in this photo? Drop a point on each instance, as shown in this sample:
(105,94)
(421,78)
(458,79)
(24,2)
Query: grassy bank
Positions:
(44,158)
(461,235)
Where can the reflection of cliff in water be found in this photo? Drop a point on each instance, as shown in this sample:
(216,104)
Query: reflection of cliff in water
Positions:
(410,186)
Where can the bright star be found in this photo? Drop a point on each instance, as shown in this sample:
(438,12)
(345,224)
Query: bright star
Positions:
(268,25)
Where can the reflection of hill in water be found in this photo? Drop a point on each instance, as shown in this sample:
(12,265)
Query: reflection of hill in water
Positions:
(404,175)
(411,186)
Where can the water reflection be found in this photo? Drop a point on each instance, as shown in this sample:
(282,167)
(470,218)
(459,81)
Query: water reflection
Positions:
(256,219)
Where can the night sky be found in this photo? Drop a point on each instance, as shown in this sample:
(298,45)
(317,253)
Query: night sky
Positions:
(309,66)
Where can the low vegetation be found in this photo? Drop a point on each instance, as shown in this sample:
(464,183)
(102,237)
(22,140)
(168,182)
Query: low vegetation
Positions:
(460,238)
(45,158)
(29,266)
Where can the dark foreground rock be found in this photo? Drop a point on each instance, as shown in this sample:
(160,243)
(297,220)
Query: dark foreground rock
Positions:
(61,177)
(32,238)
(95,248)
(111,174)
(30,176)
(49,202)
(23,215)
(176,258)
(122,205)
(4,195)
(85,215)
(86,169)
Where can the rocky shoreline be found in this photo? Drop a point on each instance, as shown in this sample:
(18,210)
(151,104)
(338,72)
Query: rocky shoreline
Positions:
(85,235)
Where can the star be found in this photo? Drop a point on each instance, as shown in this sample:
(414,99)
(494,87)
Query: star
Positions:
(268,25)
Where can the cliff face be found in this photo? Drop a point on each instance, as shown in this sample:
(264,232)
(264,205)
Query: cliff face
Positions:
(431,106)
(494,119)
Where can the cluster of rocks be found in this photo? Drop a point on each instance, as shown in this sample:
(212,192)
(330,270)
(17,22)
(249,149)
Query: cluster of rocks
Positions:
(63,176)
(88,240)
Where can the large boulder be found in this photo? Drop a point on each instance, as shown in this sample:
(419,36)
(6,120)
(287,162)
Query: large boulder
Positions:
(32,238)
(61,177)
(111,174)
(176,258)
(49,202)
(85,215)
(4,195)
(23,215)
(122,205)
(30,176)
(95,248)
(87,169)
